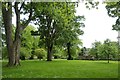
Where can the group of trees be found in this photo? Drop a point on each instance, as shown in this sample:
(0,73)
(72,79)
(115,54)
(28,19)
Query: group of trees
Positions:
(34,46)
(58,28)
(108,50)
(113,9)
(57,23)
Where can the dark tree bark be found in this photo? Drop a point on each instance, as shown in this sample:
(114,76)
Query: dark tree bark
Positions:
(13,46)
(49,52)
(69,54)
(49,41)
(96,55)
(7,19)
(19,28)
(17,35)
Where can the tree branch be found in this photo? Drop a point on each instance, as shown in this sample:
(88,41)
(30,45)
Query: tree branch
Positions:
(16,8)
(21,6)
(29,18)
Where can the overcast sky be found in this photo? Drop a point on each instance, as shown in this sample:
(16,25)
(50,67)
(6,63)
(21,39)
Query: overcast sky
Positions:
(98,25)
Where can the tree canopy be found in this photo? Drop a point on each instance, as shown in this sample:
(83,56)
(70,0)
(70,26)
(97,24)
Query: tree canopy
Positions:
(113,9)
(57,23)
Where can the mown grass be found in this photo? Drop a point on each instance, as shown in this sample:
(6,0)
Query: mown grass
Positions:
(62,69)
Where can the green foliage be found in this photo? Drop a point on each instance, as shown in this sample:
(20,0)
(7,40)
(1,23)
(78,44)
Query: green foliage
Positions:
(4,53)
(111,48)
(40,53)
(59,52)
(28,42)
(90,4)
(103,50)
(58,24)
(113,9)
(92,51)
(26,38)
(71,32)
(96,48)
(24,53)
(74,52)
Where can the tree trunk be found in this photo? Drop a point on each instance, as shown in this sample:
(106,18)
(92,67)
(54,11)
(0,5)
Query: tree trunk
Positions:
(17,53)
(49,42)
(7,19)
(96,55)
(108,57)
(17,35)
(49,52)
(13,47)
(69,54)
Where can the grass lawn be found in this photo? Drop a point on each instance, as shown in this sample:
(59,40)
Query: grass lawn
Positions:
(62,69)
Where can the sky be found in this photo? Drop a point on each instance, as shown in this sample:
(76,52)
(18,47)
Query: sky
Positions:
(98,25)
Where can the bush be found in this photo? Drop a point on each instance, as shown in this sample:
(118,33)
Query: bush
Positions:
(74,52)
(56,55)
(24,53)
(32,55)
(41,53)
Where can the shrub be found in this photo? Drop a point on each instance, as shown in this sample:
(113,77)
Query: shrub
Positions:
(41,53)
(24,53)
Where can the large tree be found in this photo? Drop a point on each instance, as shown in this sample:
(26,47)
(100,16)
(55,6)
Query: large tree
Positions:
(7,19)
(50,23)
(13,44)
(56,21)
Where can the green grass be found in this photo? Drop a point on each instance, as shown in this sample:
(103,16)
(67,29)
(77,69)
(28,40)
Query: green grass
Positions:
(62,69)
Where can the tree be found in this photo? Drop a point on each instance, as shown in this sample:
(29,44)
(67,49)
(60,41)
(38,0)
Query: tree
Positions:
(106,51)
(96,45)
(54,22)
(28,42)
(114,50)
(7,19)
(13,44)
(113,9)
(111,50)
(59,52)
(47,26)
(69,35)
(0,31)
